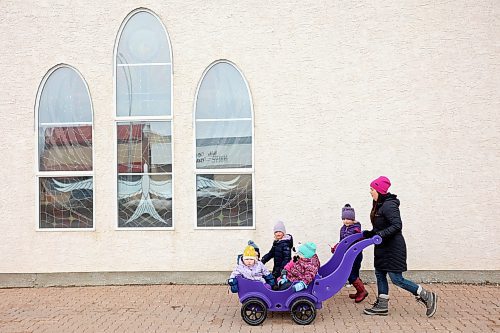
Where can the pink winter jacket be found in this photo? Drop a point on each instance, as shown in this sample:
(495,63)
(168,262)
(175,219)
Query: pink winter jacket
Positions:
(304,270)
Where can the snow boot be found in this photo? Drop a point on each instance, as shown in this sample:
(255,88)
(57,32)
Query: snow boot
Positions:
(380,307)
(361,292)
(429,299)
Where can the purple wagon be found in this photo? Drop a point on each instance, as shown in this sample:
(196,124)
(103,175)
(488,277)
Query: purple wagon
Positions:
(257,300)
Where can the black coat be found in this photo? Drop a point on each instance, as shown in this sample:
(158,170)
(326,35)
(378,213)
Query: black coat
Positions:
(281,251)
(390,255)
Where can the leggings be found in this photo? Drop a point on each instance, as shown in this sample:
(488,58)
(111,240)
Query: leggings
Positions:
(396,278)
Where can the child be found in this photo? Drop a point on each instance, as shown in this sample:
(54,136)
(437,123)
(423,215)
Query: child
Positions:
(351,227)
(251,243)
(281,250)
(250,268)
(303,271)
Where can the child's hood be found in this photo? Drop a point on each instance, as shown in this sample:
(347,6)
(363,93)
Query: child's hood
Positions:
(356,224)
(314,260)
(287,238)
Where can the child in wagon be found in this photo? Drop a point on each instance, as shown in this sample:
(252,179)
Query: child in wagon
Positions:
(301,270)
(250,268)
(281,251)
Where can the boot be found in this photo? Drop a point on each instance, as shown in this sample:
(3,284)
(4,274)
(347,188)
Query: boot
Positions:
(380,307)
(361,292)
(429,299)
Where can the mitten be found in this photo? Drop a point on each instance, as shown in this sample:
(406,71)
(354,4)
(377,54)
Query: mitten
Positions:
(269,279)
(334,247)
(282,281)
(283,277)
(233,283)
(299,286)
(368,233)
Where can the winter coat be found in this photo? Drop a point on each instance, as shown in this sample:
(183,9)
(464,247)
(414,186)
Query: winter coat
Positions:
(305,269)
(345,231)
(255,272)
(390,255)
(281,252)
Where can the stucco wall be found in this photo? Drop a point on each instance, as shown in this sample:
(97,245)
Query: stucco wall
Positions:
(342,93)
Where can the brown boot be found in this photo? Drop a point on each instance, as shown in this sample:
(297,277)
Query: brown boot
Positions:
(361,292)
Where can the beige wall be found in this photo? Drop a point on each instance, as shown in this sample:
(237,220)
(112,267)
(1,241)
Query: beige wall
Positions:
(342,93)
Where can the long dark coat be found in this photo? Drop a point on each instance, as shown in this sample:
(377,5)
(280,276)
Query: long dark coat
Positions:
(390,255)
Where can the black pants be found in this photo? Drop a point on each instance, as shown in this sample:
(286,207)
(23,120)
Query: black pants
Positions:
(355,268)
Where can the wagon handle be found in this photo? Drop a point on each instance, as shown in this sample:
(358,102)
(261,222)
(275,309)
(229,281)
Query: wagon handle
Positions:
(327,286)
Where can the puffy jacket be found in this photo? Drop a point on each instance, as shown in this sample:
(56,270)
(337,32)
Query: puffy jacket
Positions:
(255,272)
(281,252)
(305,269)
(345,231)
(390,255)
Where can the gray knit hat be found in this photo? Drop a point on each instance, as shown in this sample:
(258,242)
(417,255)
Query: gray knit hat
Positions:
(279,226)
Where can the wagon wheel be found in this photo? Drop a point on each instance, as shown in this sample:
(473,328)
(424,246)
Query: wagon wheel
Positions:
(254,311)
(303,311)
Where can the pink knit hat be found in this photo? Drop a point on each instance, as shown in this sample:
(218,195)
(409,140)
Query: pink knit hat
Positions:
(381,184)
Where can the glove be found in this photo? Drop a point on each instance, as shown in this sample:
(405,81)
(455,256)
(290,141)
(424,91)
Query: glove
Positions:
(368,233)
(299,286)
(233,283)
(269,279)
(334,247)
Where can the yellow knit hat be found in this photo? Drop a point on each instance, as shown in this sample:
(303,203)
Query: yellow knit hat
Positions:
(249,253)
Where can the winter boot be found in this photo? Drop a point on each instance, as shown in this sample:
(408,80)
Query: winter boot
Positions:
(380,307)
(429,299)
(361,292)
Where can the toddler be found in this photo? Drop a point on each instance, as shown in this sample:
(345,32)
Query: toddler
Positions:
(350,227)
(250,268)
(301,273)
(281,251)
(251,243)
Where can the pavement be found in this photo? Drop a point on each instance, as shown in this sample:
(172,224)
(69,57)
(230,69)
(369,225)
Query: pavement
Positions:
(211,308)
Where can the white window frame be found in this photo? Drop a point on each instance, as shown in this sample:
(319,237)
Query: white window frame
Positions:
(121,119)
(45,174)
(234,171)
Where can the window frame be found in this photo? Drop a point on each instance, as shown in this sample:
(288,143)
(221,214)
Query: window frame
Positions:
(124,119)
(49,174)
(222,171)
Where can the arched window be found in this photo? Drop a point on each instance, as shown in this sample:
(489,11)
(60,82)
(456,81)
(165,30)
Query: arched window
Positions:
(143,75)
(65,174)
(224,148)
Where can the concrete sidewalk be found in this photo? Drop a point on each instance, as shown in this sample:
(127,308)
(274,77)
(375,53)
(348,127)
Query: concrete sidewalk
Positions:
(196,308)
